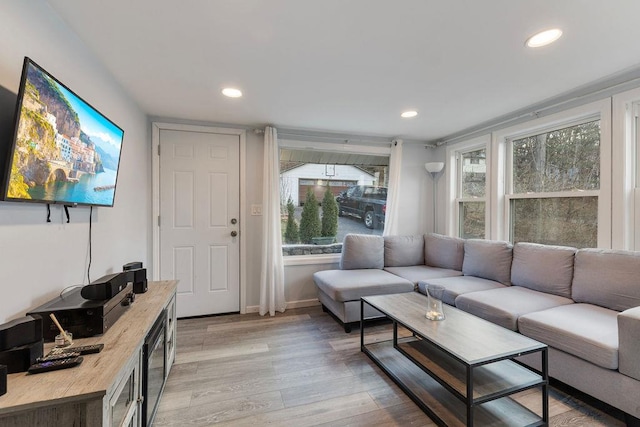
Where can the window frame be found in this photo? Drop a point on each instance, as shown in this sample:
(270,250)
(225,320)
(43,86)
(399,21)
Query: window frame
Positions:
(454,182)
(626,174)
(503,169)
(377,149)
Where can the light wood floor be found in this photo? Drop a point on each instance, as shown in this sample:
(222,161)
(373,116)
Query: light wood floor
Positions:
(301,369)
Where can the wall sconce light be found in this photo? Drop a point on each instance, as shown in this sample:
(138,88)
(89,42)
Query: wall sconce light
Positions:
(434,168)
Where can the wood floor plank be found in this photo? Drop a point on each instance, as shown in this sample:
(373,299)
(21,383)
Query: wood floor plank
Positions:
(317,413)
(232,409)
(220,352)
(300,368)
(212,392)
(331,388)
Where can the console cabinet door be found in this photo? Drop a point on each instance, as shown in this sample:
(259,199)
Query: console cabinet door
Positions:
(124,403)
(170,335)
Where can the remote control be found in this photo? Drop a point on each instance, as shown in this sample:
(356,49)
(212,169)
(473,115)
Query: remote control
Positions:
(51,356)
(84,349)
(54,365)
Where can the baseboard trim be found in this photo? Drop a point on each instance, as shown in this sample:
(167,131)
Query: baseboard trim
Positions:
(290,304)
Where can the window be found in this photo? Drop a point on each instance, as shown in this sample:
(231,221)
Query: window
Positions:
(357,180)
(471,194)
(554,186)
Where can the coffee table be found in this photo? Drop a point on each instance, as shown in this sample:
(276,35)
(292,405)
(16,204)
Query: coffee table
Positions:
(460,370)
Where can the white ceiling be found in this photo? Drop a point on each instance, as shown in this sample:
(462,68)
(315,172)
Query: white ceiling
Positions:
(352,66)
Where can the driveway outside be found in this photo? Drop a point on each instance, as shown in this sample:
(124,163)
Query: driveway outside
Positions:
(346,224)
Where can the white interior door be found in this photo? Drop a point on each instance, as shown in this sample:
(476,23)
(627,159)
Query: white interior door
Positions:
(199,219)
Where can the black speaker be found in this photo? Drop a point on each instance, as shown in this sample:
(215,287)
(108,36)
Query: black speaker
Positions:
(18,359)
(3,380)
(20,331)
(105,287)
(132,266)
(139,280)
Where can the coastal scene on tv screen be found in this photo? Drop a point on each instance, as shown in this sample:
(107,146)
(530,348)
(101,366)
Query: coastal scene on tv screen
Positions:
(65,151)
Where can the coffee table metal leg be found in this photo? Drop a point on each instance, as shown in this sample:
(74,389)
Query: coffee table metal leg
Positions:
(469,396)
(361,324)
(545,386)
(395,334)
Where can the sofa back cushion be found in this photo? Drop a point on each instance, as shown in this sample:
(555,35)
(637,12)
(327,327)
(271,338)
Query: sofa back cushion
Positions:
(543,268)
(489,259)
(403,251)
(443,251)
(608,278)
(362,251)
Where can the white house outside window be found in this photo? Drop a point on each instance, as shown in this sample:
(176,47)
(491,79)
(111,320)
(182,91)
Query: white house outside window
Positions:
(471,194)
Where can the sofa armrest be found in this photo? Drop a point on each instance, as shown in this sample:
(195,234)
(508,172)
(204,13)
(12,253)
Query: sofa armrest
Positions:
(629,342)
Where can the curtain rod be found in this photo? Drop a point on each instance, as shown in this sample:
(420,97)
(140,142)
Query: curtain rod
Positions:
(317,136)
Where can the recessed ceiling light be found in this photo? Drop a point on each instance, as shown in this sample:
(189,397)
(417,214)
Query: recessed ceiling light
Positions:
(408,114)
(232,92)
(544,38)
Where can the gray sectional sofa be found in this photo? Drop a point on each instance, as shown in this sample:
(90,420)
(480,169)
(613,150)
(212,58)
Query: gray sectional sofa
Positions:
(583,303)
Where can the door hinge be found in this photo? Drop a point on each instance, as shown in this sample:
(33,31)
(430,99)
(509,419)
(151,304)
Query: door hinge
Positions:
(158,220)
(158,149)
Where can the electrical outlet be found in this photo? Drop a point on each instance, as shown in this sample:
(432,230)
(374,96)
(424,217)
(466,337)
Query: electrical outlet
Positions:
(256,209)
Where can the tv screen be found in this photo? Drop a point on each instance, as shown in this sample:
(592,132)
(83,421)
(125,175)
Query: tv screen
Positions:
(64,150)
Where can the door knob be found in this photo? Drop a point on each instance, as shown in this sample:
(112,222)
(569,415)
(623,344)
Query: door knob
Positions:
(234,221)
(234,233)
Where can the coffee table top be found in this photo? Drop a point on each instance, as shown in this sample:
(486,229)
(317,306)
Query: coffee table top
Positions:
(468,338)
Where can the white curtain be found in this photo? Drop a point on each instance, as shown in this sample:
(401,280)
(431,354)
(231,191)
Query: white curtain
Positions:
(392,216)
(272,272)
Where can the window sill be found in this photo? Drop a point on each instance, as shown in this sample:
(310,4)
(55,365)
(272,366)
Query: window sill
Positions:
(311,259)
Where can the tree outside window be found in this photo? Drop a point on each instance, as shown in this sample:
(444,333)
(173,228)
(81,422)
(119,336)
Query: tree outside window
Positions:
(555,181)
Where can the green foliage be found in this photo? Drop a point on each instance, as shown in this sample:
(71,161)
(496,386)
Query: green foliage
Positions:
(329,214)
(17,187)
(310,222)
(56,93)
(291,234)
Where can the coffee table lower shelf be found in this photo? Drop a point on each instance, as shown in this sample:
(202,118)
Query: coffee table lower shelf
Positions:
(439,402)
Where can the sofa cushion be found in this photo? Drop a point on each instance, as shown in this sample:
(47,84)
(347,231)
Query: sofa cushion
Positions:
(489,259)
(608,278)
(422,272)
(587,331)
(505,305)
(443,251)
(543,268)
(362,251)
(402,251)
(350,285)
(454,286)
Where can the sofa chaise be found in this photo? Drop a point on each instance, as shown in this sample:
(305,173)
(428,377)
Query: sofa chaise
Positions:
(583,303)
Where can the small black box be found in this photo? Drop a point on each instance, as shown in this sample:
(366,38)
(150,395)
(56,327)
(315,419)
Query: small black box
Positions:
(21,331)
(132,266)
(139,278)
(3,380)
(19,359)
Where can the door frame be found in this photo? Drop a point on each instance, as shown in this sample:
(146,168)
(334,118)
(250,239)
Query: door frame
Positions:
(156,127)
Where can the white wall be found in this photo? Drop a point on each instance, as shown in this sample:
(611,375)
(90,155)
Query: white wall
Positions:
(415,191)
(39,259)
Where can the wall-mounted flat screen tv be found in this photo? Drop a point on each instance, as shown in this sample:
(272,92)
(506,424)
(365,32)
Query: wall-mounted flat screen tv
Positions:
(64,150)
